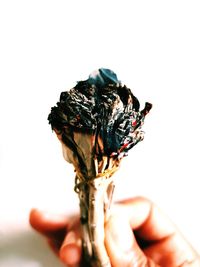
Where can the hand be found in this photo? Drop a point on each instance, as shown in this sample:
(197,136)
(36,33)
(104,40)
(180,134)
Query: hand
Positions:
(137,234)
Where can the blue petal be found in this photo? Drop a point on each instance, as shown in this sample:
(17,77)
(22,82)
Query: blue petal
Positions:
(103,77)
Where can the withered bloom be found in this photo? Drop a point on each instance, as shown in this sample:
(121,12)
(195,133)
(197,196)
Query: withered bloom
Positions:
(98,122)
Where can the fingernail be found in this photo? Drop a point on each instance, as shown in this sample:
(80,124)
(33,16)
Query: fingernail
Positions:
(121,234)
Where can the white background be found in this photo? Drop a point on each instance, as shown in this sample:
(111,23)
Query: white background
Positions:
(45,47)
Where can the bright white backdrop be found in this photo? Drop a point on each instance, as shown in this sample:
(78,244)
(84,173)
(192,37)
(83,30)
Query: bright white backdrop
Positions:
(45,47)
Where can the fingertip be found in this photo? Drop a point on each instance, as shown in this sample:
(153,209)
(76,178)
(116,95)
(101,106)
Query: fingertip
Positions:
(70,254)
(34,218)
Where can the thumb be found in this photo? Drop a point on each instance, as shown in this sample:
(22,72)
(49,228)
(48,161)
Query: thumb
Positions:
(121,244)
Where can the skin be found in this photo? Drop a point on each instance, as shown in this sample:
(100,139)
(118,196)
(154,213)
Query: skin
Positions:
(137,234)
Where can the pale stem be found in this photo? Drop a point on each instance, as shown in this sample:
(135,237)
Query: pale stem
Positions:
(99,194)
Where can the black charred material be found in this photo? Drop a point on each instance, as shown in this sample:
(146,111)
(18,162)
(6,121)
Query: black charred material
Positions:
(103,107)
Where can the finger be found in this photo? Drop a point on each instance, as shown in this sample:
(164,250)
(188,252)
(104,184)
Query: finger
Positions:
(121,245)
(70,251)
(47,223)
(148,221)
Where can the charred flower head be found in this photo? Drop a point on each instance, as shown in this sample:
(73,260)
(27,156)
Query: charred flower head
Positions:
(99,118)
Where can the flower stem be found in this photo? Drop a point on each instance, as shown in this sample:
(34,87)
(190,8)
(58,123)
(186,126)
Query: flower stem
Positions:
(94,207)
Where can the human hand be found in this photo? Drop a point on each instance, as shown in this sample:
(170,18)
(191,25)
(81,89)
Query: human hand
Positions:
(136,234)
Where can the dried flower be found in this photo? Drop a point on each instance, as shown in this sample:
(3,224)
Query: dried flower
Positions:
(98,122)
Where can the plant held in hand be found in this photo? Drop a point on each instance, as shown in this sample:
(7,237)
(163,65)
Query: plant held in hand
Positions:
(97,122)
